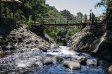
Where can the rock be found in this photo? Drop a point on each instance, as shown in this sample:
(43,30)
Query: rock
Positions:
(86,29)
(105,51)
(96,44)
(104,63)
(1,53)
(83,61)
(81,41)
(37,64)
(91,62)
(22,38)
(47,61)
(103,47)
(39,30)
(109,36)
(72,65)
(110,69)
(58,58)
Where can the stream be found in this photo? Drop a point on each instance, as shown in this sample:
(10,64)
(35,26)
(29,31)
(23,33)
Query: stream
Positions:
(32,61)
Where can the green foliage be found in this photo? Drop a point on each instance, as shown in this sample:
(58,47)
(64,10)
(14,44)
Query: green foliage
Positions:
(107,4)
(37,11)
(71,32)
(67,14)
(33,10)
(54,31)
(41,11)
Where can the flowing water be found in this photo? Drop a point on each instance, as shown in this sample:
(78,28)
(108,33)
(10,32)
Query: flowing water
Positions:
(30,61)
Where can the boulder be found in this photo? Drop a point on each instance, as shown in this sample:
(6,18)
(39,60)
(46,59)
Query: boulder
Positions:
(58,58)
(83,61)
(110,69)
(47,60)
(72,65)
(91,62)
(104,63)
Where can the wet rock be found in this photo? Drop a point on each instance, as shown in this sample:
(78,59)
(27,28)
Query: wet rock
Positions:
(83,61)
(72,65)
(58,58)
(37,64)
(104,63)
(29,62)
(110,69)
(91,62)
(47,61)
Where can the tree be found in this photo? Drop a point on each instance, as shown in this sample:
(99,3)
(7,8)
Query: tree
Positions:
(79,17)
(67,14)
(38,11)
(108,5)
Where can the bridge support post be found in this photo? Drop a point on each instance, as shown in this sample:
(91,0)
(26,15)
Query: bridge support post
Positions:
(67,22)
(0,10)
(81,19)
(85,17)
(55,22)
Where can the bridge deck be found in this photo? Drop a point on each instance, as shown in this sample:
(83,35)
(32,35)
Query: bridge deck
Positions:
(70,24)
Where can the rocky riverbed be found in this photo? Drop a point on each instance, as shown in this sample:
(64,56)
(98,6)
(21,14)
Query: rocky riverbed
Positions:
(57,60)
(99,44)
(25,52)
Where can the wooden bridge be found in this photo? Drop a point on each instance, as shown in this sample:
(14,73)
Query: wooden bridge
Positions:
(79,25)
(72,22)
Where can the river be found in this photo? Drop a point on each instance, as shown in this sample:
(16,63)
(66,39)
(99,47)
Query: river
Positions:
(32,61)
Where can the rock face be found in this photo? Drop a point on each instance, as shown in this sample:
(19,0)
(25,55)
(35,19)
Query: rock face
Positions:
(88,40)
(105,48)
(96,44)
(72,65)
(81,41)
(22,38)
(39,30)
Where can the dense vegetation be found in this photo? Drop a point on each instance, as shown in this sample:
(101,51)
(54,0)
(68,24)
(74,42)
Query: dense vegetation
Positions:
(108,5)
(62,34)
(108,17)
(38,11)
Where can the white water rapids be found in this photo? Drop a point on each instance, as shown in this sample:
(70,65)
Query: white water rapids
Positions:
(24,61)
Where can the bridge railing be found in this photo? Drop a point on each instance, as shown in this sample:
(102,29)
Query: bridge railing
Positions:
(56,20)
(62,21)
